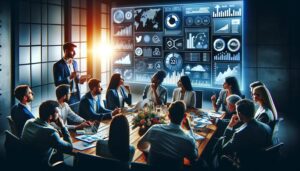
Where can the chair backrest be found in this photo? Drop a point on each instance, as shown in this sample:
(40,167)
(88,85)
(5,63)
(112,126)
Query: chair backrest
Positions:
(13,148)
(275,130)
(159,161)
(12,126)
(199,98)
(140,167)
(90,162)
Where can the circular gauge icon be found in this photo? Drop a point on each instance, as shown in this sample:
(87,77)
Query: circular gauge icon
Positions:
(155,39)
(138,51)
(219,45)
(118,16)
(173,61)
(140,66)
(233,45)
(128,74)
(198,20)
(189,21)
(147,38)
(206,20)
(172,21)
(128,15)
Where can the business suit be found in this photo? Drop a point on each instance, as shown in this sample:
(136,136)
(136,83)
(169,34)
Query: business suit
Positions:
(189,97)
(264,114)
(20,114)
(62,73)
(112,98)
(247,141)
(87,111)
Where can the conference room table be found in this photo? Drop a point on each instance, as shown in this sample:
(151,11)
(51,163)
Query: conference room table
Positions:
(207,132)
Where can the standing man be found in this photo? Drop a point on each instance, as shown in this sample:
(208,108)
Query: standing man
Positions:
(21,112)
(65,71)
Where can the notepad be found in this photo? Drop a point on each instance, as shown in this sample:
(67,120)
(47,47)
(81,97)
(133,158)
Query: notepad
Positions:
(80,145)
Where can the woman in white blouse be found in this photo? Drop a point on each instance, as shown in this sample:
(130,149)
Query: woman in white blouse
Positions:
(185,92)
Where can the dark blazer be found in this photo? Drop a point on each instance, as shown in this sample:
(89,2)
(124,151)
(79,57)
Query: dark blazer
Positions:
(61,73)
(86,109)
(247,141)
(20,114)
(112,98)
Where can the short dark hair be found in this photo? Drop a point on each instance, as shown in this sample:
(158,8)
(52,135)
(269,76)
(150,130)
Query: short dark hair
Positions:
(246,108)
(160,75)
(47,108)
(21,91)
(68,45)
(176,111)
(93,83)
(62,90)
(186,82)
(256,84)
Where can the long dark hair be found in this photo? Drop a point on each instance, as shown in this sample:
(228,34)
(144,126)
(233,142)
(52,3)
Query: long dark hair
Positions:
(118,142)
(114,82)
(235,88)
(186,82)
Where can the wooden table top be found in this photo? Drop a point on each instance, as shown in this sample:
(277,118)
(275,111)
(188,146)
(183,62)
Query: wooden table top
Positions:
(208,132)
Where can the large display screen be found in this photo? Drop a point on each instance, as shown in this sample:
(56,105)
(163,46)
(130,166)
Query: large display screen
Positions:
(201,40)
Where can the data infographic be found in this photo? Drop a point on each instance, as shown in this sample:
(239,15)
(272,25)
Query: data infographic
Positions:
(201,40)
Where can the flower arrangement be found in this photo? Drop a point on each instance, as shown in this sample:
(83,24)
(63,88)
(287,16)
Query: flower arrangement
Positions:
(146,118)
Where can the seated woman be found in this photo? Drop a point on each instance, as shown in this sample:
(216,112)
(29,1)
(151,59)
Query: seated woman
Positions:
(116,95)
(266,111)
(117,146)
(155,92)
(230,86)
(185,92)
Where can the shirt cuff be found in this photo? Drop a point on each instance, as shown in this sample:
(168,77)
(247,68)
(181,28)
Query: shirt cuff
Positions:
(69,80)
(230,128)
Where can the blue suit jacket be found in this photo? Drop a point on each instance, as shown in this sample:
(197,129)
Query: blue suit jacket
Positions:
(20,114)
(112,98)
(86,109)
(61,73)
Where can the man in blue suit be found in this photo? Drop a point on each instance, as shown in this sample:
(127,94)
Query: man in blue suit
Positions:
(65,71)
(20,112)
(91,106)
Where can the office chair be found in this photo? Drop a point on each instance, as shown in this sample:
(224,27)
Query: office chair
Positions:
(12,126)
(13,148)
(140,167)
(199,98)
(90,162)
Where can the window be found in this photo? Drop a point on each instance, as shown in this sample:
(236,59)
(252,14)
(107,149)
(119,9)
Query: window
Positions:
(41,30)
(78,30)
(105,35)
(39,46)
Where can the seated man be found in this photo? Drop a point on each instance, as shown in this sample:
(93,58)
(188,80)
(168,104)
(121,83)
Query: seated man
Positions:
(222,123)
(20,112)
(169,143)
(91,106)
(63,96)
(247,140)
(41,138)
